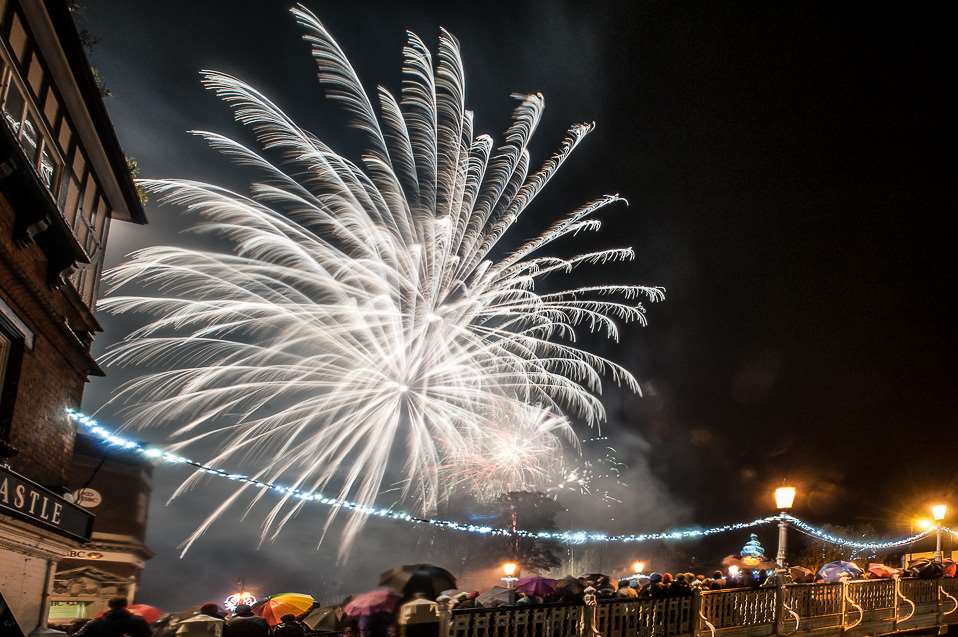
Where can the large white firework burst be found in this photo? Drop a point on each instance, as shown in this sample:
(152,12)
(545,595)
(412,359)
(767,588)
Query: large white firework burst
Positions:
(364,316)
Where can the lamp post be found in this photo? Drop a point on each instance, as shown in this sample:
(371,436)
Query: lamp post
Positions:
(638,567)
(938,511)
(510,571)
(784,499)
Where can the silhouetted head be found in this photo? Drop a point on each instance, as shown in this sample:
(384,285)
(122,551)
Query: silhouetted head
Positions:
(117,603)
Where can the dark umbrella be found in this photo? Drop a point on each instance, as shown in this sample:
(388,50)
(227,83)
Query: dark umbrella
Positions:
(569,588)
(418,578)
(597,580)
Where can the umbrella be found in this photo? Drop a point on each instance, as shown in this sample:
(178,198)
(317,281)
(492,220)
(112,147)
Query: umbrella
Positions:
(378,600)
(418,578)
(496,596)
(323,619)
(950,568)
(147,612)
(569,588)
(880,570)
(801,575)
(748,563)
(926,569)
(596,580)
(275,606)
(535,585)
(839,571)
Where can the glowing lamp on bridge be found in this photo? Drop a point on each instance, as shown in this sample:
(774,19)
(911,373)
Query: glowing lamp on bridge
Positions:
(784,498)
(923,524)
(938,511)
(638,567)
(509,569)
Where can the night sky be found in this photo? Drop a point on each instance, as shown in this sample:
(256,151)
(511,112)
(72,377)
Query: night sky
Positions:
(786,165)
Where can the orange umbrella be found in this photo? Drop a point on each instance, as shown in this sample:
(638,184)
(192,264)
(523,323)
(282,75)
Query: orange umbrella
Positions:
(147,612)
(274,607)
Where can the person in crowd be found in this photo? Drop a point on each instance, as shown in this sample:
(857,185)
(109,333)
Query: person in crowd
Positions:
(289,626)
(419,617)
(212,610)
(206,623)
(656,589)
(376,625)
(680,587)
(243,623)
(116,622)
(718,581)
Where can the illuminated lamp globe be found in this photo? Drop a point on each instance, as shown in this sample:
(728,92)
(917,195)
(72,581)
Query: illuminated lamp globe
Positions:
(923,524)
(939,511)
(638,567)
(509,569)
(784,498)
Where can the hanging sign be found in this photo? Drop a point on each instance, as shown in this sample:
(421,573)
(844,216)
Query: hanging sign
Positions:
(24,499)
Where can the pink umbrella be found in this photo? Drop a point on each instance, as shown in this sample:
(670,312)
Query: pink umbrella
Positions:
(537,586)
(378,600)
(880,570)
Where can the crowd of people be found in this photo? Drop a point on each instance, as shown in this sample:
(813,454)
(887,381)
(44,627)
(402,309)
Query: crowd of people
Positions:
(416,614)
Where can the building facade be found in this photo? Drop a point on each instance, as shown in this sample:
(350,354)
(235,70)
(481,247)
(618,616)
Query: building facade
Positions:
(63,180)
(115,485)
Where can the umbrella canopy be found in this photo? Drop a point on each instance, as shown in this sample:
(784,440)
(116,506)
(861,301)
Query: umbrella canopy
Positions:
(275,606)
(418,578)
(323,619)
(839,571)
(748,563)
(950,568)
(926,569)
(880,570)
(147,612)
(378,600)
(801,575)
(596,580)
(569,588)
(496,596)
(535,585)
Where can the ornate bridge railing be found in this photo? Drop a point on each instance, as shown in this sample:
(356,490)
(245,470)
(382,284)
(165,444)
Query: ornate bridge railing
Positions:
(858,608)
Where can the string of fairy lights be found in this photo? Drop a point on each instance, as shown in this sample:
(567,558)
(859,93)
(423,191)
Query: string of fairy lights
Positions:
(158,454)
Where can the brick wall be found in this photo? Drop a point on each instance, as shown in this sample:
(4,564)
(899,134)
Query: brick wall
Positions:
(52,374)
(22,578)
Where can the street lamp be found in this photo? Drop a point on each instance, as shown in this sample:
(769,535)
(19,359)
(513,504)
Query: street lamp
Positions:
(509,570)
(938,511)
(638,567)
(784,499)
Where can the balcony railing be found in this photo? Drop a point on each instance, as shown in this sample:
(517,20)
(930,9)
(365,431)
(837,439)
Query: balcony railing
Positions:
(861,607)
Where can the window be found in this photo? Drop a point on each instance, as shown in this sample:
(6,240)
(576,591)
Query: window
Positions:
(18,38)
(21,116)
(35,75)
(51,107)
(6,345)
(66,135)
(13,106)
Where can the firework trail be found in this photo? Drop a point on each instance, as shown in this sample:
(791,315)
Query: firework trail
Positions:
(364,313)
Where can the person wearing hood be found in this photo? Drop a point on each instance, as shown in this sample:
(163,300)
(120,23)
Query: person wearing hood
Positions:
(116,622)
(243,623)
(206,623)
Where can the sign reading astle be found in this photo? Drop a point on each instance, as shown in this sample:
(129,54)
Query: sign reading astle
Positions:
(27,500)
